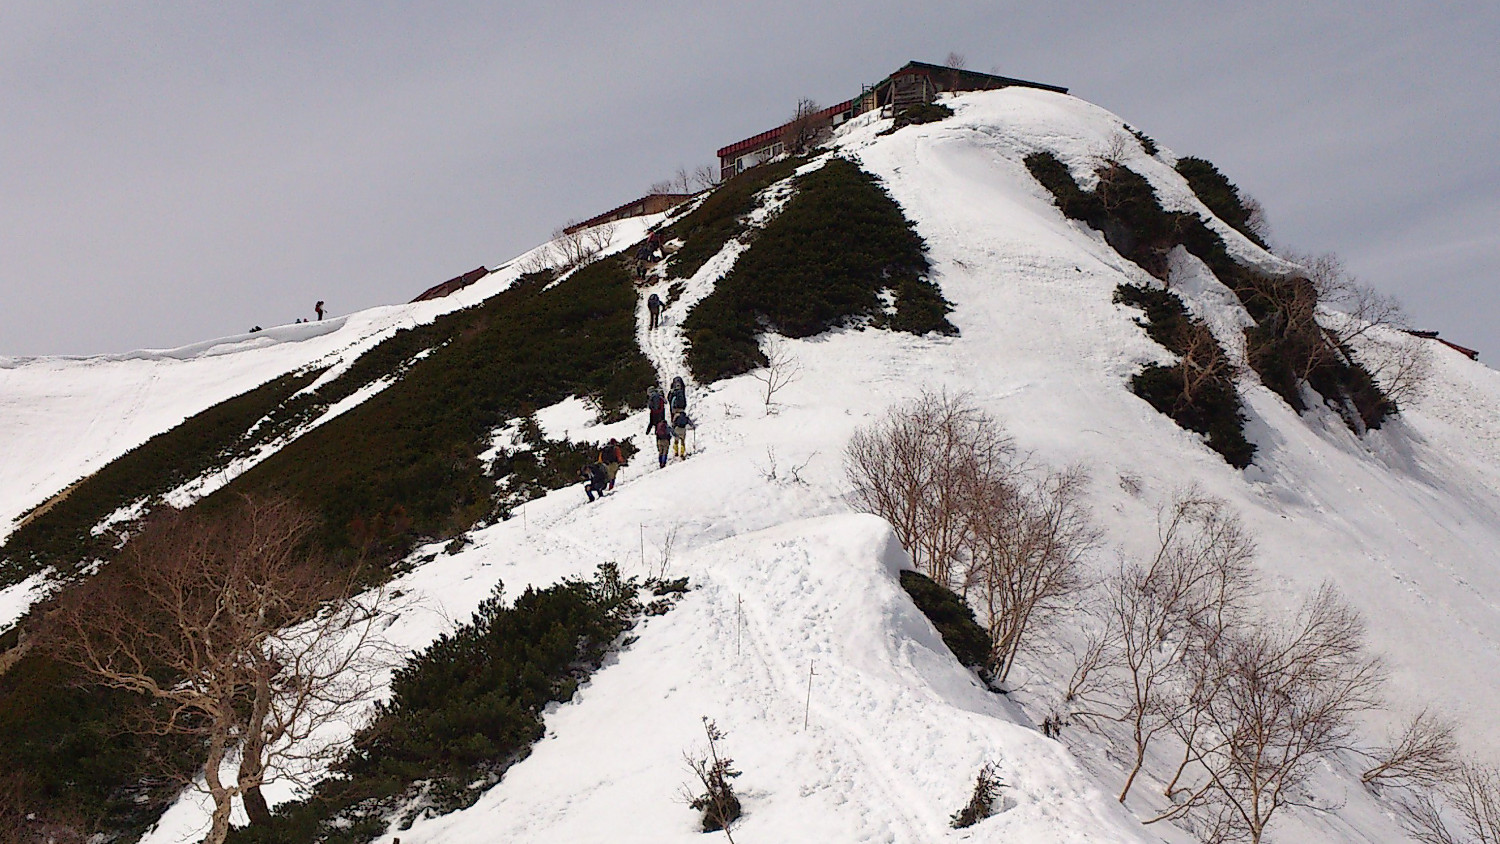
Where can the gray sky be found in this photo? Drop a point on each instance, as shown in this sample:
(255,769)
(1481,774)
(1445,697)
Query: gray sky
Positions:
(171,172)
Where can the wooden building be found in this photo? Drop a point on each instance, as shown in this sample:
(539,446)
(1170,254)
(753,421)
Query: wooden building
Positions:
(758,149)
(651,203)
(918,83)
(914,84)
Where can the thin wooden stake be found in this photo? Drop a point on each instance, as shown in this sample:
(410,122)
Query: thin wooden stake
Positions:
(739,614)
(807,708)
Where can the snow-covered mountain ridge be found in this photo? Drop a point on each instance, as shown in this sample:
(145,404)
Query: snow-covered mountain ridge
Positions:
(795,597)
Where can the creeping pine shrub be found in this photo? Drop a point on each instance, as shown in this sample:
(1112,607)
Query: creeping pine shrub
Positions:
(465,708)
(1220,195)
(982,802)
(952,617)
(918,114)
(1147,145)
(404,465)
(824,261)
(1286,347)
(721,216)
(1198,391)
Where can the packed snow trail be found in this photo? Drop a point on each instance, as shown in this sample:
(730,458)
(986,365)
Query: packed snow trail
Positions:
(896,731)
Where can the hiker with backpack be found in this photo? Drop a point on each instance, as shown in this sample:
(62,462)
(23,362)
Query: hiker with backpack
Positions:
(319,308)
(657,404)
(663,442)
(677,395)
(653,304)
(680,424)
(595,478)
(612,459)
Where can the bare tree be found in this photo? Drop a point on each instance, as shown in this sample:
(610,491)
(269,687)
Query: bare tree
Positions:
(782,368)
(705,177)
(248,639)
(1368,325)
(1255,217)
(1157,614)
(916,467)
(1471,793)
(572,248)
(804,129)
(1424,753)
(1029,538)
(1281,699)
(598,238)
(955,61)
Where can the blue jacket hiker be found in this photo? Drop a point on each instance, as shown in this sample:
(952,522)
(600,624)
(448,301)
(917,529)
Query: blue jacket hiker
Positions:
(653,304)
(594,478)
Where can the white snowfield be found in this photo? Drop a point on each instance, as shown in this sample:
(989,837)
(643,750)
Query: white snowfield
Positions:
(847,716)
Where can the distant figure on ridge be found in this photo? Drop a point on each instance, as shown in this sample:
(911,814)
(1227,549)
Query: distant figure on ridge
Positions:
(319,308)
(653,304)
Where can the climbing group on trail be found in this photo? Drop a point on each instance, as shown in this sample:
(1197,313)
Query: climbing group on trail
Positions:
(652,249)
(667,419)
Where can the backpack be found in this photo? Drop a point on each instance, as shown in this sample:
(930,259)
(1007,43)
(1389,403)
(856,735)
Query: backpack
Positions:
(663,430)
(654,303)
(655,403)
(679,400)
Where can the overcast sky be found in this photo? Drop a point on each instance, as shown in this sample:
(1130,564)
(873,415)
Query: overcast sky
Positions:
(171,172)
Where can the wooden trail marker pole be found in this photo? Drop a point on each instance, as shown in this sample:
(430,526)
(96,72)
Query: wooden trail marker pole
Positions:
(807,707)
(739,615)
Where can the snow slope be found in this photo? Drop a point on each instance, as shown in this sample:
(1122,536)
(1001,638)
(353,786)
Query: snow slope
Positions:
(796,611)
(62,418)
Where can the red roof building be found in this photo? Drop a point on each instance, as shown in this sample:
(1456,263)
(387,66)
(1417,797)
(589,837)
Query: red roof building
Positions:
(915,83)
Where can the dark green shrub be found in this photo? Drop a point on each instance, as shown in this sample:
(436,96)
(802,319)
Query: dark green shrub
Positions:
(951,616)
(1220,195)
(919,114)
(464,709)
(824,261)
(1286,347)
(1209,405)
(721,216)
(1148,145)
(404,465)
(69,742)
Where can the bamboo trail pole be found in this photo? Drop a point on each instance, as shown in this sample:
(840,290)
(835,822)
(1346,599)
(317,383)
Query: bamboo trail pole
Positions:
(807,707)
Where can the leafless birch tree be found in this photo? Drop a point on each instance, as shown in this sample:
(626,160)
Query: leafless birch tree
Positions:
(250,641)
(1280,698)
